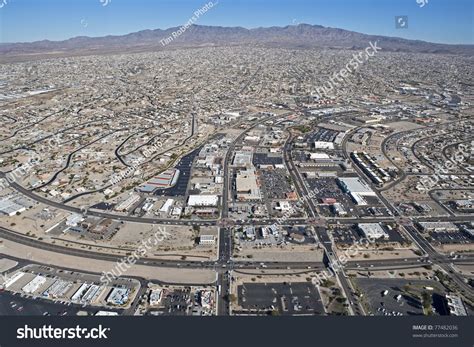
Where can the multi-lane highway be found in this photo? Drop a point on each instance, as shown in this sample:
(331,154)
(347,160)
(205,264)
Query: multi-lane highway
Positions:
(224,265)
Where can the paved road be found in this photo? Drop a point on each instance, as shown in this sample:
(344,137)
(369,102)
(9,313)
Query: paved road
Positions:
(224,266)
(353,303)
(440,260)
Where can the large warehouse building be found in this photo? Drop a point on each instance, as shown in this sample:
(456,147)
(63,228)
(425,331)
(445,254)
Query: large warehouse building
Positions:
(356,189)
(203,200)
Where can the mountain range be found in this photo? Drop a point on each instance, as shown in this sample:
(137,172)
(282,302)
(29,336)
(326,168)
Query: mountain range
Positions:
(302,36)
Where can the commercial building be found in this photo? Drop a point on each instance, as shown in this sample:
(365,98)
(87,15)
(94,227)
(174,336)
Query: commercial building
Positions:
(10,281)
(118,296)
(338,209)
(203,200)
(376,174)
(91,294)
(319,156)
(207,299)
(323,145)
(242,159)
(74,219)
(155,296)
(356,189)
(250,233)
(127,204)
(58,289)
(247,186)
(9,207)
(34,284)
(373,231)
(167,206)
(77,296)
(456,306)
(166,179)
(207,240)
(438,227)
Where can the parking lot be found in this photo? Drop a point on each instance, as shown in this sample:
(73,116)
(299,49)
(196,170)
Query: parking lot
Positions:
(402,296)
(184,166)
(322,135)
(266,159)
(451,237)
(345,235)
(299,298)
(275,184)
(302,231)
(16,305)
(174,303)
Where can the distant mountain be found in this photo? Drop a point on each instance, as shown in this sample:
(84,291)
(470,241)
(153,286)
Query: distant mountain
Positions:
(302,36)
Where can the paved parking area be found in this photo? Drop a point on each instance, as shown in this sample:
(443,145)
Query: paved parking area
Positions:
(16,305)
(451,237)
(266,159)
(175,303)
(300,298)
(345,235)
(322,135)
(184,166)
(299,230)
(402,298)
(275,184)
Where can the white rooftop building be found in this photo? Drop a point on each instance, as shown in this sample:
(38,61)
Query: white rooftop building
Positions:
(74,219)
(456,306)
(207,240)
(323,145)
(118,296)
(355,185)
(438,226)
(356,189)
(319,156)
(125,205)
(156,296)
(373,231)
(203,200)
(167,206)
(34,284)
(10,208)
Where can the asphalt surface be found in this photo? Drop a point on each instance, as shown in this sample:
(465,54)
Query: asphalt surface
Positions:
(224,266)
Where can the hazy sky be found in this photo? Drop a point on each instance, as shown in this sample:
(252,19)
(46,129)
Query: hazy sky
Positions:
(446,21)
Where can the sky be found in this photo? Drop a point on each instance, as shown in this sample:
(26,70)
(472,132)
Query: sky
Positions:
(443,21)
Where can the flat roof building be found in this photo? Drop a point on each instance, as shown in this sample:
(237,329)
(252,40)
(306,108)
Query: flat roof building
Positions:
(34,284)
(323,145)
(242,159)
(118,296)
(10,208)
(167,206)
(207,240)
(438,226)
(373,231)
(247,186)
(355,185)
(203,200)
(166,179)
(456,306)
